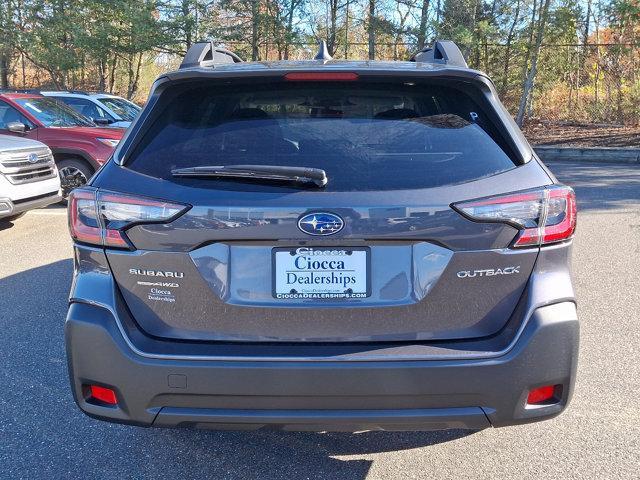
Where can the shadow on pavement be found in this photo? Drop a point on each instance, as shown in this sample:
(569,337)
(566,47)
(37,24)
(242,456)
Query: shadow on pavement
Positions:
(600,186)
(56,207)
(292,454)
(43,430)
(5,224)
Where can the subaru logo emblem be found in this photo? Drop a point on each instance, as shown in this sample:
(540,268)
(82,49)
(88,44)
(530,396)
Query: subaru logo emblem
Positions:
(32,158)
(320,223)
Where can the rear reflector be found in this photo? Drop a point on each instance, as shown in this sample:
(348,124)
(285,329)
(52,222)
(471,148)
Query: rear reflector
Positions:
(102,394)
(100,218)
(321,76)
(543,216)
(542,394)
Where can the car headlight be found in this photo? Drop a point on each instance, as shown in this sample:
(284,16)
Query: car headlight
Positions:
(109,142)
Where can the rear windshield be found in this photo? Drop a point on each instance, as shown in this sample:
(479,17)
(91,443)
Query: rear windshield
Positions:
(365,136)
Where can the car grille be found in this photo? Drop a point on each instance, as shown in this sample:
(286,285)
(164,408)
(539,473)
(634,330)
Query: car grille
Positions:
(18,169)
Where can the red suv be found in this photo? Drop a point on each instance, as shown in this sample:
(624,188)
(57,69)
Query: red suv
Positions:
(78,145)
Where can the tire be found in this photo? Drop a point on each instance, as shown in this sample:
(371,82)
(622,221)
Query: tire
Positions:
(74,173)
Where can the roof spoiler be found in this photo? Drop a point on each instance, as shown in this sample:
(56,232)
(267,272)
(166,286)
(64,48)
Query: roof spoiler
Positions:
(444,52)
(205,54)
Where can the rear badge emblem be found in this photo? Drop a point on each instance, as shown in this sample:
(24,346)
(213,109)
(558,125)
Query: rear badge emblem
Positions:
(489,272)
(320,223)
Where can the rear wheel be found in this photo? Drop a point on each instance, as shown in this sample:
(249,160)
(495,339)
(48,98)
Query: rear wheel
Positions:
(74,173)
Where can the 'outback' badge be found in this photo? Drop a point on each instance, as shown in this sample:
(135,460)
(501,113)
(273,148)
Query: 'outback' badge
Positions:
(320,223)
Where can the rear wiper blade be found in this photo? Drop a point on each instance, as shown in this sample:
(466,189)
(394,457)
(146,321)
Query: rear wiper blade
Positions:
(316,176)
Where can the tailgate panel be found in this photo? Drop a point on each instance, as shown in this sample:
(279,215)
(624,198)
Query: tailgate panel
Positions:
(419,291)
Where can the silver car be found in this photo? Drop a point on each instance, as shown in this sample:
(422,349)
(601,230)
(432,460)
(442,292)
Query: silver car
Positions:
(104,109)
(28,177)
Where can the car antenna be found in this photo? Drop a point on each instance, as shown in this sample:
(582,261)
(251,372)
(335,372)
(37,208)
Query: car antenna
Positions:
(323,51)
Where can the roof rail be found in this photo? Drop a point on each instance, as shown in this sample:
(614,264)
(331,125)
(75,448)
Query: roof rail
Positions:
(205,54)
(19,90)
(445,52)
(75,92)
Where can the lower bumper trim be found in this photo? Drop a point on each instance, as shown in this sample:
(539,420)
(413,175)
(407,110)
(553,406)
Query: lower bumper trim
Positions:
(325,420)
(9,207)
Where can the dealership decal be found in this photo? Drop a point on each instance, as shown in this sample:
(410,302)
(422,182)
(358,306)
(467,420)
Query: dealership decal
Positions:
(321,273)
(161,295)
(320,270)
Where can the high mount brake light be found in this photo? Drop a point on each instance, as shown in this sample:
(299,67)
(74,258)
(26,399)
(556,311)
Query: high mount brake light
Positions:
(321,76)
(543,216)
(100,218)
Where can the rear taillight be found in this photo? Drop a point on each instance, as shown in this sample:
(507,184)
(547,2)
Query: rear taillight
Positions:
(83,217)
(543,216)
(100,217)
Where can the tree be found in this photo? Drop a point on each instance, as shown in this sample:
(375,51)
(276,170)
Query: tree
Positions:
(371,29)
(120,45)
(422,29)
(624,21)
(533,70)
(459,21)
(8,34)
(327,22)
(507,54)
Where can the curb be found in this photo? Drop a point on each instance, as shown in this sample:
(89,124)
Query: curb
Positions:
(586,154)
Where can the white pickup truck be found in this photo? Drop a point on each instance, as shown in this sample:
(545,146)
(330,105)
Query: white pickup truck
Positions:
(28,177)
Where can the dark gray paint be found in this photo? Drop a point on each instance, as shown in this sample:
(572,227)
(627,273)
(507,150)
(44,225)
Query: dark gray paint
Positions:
(309,395)
(549,283)
(416,295)
(427,350)
(240,308)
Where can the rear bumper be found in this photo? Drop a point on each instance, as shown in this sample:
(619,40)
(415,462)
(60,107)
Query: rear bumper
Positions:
(327,395)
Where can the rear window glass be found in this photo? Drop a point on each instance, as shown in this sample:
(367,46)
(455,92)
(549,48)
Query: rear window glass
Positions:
(365,136)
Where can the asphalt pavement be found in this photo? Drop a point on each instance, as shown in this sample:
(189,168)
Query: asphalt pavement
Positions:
(44,435)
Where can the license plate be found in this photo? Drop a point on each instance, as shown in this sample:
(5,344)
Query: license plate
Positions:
(321,273)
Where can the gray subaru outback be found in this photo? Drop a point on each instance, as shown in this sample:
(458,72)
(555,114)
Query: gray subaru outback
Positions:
(323,245)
